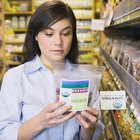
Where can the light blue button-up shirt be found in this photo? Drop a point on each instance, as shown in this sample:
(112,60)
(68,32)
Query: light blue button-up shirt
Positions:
(25,91)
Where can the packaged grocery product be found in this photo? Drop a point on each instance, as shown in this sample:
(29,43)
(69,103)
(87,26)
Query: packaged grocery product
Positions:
(108,45)
(22,22)
(78,84)
(136,66)
(115,49)
(14,22)
(120,54)
(123,45)
(127,52)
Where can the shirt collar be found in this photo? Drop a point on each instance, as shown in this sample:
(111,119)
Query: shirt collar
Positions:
(34,65)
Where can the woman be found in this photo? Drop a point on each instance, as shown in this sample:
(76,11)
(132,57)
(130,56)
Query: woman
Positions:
(28,104)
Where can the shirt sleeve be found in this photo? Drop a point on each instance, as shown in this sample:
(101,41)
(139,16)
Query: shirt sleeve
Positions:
(10,107)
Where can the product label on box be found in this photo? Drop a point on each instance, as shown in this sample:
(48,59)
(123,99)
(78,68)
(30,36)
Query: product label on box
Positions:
(75,93)
(113,100)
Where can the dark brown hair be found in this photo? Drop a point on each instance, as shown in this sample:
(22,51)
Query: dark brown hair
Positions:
(46,15)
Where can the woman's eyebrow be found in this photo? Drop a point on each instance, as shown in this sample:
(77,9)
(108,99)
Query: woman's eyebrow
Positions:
(68,27)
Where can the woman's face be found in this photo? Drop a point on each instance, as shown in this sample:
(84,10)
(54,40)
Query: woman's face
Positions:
(55,42)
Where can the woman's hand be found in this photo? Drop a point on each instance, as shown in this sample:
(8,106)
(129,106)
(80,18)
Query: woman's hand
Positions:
(87,120)
(53,115)
(49,117)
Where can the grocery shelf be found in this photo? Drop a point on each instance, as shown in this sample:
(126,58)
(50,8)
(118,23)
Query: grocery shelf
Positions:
(85,61)
(16,51)
(84,18)
(20,30)
(126,26)
(18,13)
(116,132)
(84,39)
(85,49)
(81,7)
(131,86)
(14,42)
(111,132)
(84,27)
(12,63)
(129,19)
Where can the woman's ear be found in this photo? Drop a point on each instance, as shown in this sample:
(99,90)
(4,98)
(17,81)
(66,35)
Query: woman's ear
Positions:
(36,38)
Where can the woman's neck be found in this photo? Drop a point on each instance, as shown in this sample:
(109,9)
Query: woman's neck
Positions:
(49,64)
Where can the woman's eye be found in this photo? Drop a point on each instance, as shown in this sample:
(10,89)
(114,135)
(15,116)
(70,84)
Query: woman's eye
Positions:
(48,34)
(66,34)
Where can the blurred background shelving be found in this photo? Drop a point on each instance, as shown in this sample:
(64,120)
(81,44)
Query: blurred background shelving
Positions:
(16,15)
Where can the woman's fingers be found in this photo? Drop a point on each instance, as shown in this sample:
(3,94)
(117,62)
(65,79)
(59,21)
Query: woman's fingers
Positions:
(53,114)
(61,111)
(66,117)
(92,111)
(52,107)
(88,118)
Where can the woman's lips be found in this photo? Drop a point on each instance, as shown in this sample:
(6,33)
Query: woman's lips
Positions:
(57,51)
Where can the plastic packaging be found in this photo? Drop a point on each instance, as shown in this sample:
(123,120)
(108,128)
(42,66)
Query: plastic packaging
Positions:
(128,51)
(136,66)
(115,49)
(79,83)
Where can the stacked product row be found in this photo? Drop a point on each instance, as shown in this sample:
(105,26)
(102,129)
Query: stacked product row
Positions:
(127,54)
(126,120)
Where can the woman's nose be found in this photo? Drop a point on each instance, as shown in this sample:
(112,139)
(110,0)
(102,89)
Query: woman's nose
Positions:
(58,40)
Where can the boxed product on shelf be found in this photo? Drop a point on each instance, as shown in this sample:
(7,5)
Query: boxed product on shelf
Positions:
(83,13)
(128,124)
(17,6)
(79,3)
(14,48)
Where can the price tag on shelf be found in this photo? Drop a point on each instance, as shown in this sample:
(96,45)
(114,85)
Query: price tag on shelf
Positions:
(115,79)
(119,86)
(128,17)
(113,100)
(117,82)
(132,106)
(138,118)
(136,112)
(98,24)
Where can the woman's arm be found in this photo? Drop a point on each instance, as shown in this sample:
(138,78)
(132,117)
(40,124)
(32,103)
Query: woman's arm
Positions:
(11,127)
